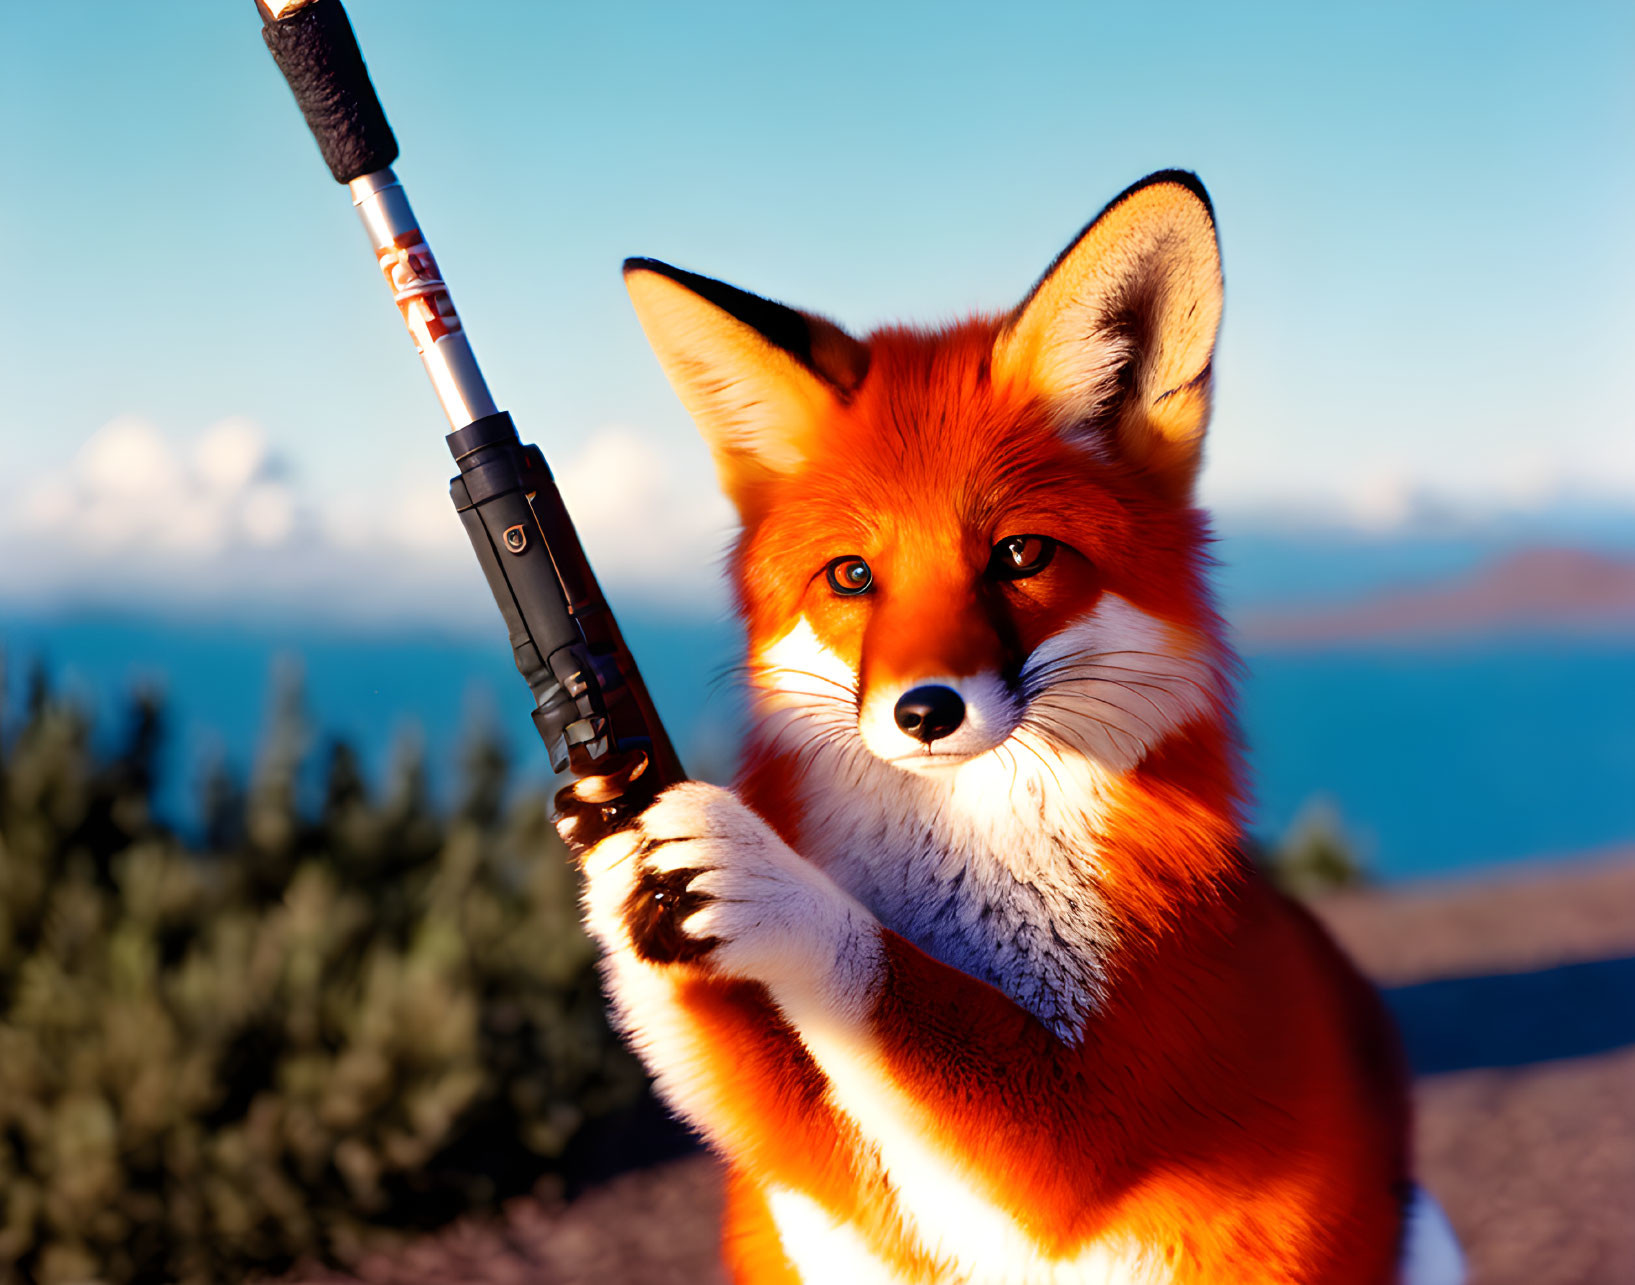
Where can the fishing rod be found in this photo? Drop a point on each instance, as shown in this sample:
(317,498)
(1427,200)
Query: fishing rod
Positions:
(591,708)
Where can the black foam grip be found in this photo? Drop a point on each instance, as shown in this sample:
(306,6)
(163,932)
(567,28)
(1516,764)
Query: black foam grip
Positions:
(315,49)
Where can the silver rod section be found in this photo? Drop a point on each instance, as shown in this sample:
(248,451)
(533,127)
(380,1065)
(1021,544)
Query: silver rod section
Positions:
(422,297)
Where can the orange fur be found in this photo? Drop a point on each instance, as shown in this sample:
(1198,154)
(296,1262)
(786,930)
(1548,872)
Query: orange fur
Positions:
(1228,1103)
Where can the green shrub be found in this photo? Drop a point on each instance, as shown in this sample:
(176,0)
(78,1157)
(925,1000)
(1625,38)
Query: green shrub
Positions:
(332,1021)
(1315,855)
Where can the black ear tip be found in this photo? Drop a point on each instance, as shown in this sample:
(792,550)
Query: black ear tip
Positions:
(646,265)
(1180,178)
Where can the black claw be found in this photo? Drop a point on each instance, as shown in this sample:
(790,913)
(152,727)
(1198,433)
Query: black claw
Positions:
(653,845)
(654,913)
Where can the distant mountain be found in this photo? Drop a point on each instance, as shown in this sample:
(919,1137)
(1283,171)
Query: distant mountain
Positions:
(1539,592)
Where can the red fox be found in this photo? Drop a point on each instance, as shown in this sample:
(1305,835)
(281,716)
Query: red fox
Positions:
(970,979)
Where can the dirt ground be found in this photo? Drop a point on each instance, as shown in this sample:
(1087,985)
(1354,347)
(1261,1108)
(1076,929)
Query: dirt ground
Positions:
(1517,1001)
(1531,1149)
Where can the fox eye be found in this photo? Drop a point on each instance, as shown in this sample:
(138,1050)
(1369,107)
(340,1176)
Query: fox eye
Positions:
(1017,557)
(849,576)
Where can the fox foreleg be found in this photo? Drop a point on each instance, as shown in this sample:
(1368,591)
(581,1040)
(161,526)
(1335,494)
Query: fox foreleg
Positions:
(696,905)
(732,962)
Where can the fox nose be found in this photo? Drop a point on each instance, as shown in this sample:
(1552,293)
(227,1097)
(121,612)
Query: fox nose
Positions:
(930,713)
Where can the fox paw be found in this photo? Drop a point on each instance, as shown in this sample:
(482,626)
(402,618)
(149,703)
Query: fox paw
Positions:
(699,878)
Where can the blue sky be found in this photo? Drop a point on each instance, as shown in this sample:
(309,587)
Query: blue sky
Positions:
(1424,210)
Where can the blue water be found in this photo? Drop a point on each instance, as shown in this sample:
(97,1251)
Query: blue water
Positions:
(377,690)
(1446,760)
(1437,761)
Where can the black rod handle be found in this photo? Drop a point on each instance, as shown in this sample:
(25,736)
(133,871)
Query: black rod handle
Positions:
(314,46)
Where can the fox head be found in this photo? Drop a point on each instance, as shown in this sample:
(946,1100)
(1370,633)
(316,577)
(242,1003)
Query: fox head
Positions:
(972,545)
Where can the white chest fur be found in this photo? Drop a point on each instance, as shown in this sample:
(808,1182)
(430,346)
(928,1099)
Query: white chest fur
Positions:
(975,867)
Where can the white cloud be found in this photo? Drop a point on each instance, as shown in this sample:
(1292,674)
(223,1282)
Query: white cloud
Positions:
(1401,496)
(130,490)
(140,518)
(231,455)
(649,513)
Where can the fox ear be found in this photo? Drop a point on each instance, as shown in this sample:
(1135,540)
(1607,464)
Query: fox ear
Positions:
(1119,333)
(757,377)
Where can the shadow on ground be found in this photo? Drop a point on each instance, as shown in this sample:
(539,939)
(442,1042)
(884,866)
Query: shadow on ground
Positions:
(1515,1019)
